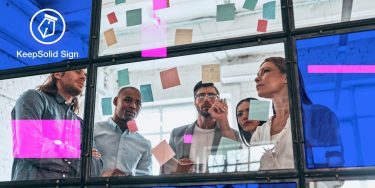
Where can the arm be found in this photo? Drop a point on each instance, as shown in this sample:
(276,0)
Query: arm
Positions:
(144,166)
(219,111)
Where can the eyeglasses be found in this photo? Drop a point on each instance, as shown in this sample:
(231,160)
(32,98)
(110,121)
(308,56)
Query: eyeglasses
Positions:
(210,96)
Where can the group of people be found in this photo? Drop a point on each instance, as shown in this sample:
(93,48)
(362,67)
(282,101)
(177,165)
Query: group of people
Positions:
(118,151)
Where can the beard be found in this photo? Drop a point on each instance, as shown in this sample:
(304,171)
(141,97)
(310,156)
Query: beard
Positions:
(71,90)
(203,112)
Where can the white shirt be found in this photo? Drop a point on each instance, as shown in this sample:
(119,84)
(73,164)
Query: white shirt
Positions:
(281,155)
(201,145)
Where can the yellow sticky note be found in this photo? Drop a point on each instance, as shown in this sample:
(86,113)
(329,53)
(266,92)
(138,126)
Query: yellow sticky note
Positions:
(210,73)
(110,37)
(183,36)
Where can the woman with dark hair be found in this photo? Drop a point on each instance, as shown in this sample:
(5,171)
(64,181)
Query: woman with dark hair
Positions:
(245,126)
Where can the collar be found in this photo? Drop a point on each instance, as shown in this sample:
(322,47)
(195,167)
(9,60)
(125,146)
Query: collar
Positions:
(59,98)
(114,126)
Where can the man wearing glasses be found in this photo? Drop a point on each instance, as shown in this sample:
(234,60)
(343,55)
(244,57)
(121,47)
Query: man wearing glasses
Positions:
(124,151)
(193,143)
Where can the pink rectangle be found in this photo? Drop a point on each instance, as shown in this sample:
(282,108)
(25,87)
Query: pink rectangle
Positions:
(132,126)
(341,68)
(46,138)
(188,138)
(160,4)
(156,52)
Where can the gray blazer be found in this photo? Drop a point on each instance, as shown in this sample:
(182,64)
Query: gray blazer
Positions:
(182,149)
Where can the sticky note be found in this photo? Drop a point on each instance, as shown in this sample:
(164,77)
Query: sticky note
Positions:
(156,52)
(262,26)
(134,17)
(227,144)
(110,37)
(183,36)
(188,138)
(269,10)
(259,110)
(225,12)
(162,152)
(112,18)
(146,93)
(119,2)
(160,4)
(250,4)
(169,78)
(211,73)
(123,77)
(107,106)
(132,126)
(154,39)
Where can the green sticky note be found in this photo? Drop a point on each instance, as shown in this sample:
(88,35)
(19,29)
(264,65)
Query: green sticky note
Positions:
(226,145)
(269,10)
(259,110)
(134,17)
(107,106)
(123,78)
(146,93)
(119,2)
(250,4)
(225,12)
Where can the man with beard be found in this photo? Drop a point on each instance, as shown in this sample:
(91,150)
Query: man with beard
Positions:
(205,133)
(124,151)
(43,121)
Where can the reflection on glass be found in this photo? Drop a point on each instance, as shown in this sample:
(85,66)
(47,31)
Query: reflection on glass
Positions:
(210,20)
(342,184)
(320,12)
(239,185)
(343,138)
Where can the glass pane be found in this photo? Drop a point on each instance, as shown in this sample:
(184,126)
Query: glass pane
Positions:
(138,25)
(342,184)
(320,12)
(162,93)
(233,185)
(41,127)
(58,33)
(338,72)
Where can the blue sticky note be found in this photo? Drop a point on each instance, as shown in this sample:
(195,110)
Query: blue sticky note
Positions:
(134,17)
(119,2)
(250,4)
(259,110)
(123,78)
(269,10)
(226,145)
(107,106)
(225,12)
(146,93)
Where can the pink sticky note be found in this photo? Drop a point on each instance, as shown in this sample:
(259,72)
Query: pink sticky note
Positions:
(112,17)
(46,138)
(156,52)
(188,138)
(262,26)
(160,4)
(169,78)
(163,152)
(132,126)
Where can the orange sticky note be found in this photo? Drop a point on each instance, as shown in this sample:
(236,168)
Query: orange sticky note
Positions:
(262,26)
(112,17)
(162,152)
(110,37)
(169,78)
(183,36)
(132,126)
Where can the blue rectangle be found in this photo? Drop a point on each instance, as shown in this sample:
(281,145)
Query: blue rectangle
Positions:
(36,36)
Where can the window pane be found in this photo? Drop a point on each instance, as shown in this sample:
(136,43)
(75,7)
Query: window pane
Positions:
(170,109)
(210,20)
(234,185)
(41,129)
(20,46)
(320,12)
(338,131)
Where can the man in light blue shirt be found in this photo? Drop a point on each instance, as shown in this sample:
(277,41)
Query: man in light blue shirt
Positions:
(123,152)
